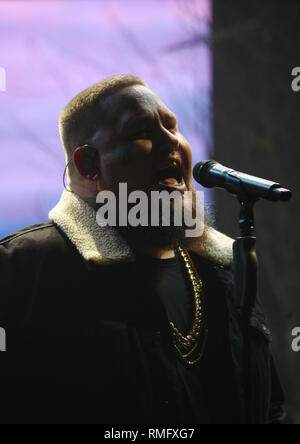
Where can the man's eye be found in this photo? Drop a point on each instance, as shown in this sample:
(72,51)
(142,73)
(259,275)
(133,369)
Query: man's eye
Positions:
(142,135)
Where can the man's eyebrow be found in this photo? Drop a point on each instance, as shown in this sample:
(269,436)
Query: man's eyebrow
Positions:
(134,120)
(169,120)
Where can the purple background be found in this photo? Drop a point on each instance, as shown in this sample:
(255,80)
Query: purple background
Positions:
(51,50)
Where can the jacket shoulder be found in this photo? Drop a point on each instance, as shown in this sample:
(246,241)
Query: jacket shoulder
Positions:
(36,238)
(31,231)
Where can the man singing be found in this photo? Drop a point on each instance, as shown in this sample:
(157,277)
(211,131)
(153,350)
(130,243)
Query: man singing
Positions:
(126,324)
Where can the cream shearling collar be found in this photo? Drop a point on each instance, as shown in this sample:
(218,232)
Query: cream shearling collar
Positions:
(105,244)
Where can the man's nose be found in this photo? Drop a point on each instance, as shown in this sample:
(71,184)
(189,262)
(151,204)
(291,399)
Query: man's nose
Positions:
(168,141)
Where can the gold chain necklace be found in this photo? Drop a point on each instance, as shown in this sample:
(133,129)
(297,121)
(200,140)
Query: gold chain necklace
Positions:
(191,347)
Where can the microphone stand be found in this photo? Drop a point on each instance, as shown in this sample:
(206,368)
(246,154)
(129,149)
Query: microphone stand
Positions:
(246,277)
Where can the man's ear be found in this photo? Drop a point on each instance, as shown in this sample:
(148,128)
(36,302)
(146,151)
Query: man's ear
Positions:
(86,160)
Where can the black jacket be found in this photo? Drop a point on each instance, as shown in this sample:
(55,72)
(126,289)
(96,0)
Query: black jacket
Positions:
(77,328)
(79,355)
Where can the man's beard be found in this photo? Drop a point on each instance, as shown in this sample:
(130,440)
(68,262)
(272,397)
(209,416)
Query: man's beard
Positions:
(163,237)
(158,237)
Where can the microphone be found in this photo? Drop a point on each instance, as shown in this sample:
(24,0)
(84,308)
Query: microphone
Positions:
(210,173)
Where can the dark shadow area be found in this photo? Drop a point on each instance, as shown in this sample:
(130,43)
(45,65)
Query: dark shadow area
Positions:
(256,130)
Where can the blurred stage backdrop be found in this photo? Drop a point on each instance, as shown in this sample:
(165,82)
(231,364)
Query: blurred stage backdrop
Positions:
(53,49)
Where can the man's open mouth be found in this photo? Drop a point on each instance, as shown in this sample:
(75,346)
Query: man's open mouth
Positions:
(170,177)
